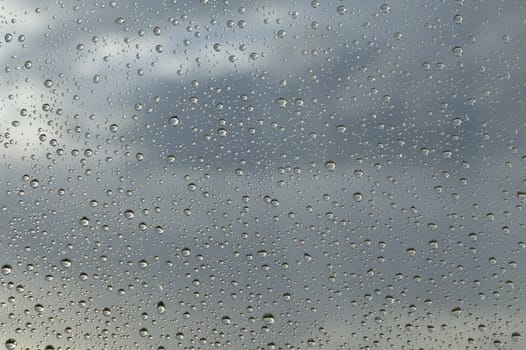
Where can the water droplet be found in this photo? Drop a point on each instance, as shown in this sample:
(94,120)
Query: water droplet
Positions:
(174,120)
(281,102)
(456,121)
(357,196)
(66,263)
(458,51)
(330,165)
(341,10)
(6,269)
(456,311)
(268,319)
(39,308)
(385,8)
(10,344)
(161,309)
(84,221)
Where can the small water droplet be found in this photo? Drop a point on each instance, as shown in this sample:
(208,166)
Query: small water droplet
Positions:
(330,165)
(456,311)
(6,269)
(281,102)
(10,344)
(269,319)
(458,51)
(161,309)
(174,120)
(66,263)
(84,221)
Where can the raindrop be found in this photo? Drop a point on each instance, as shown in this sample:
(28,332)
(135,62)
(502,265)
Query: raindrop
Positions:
(268,319)
(39,308)
(6,269)
(66,263)
(174,120)
(330,165)
(84,221)
(357,196)
(281,102)
(458,51)
(456,311)
(161,309)
(10,344)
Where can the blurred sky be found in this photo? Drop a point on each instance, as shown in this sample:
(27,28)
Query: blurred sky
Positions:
(355,169)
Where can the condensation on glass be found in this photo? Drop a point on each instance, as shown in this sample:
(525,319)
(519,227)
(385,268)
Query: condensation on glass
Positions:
(225,174)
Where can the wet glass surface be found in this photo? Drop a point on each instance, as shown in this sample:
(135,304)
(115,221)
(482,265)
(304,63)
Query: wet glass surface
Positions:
(262,174)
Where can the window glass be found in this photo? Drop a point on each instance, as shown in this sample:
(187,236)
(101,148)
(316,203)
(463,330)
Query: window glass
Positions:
(268,174)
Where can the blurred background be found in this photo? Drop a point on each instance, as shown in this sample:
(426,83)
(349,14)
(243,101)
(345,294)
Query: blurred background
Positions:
(262,174)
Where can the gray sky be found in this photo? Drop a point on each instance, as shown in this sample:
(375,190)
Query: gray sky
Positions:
(353,169)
